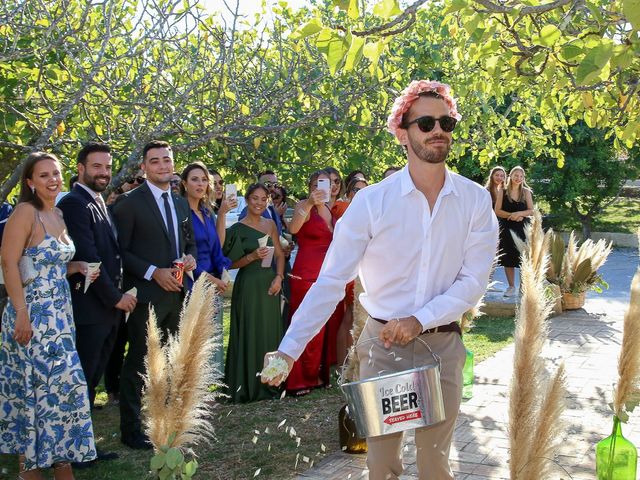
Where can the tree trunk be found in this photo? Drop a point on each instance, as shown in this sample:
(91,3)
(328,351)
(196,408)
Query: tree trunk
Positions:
(586,222)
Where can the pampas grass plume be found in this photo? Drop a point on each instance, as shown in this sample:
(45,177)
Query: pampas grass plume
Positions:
(529,425)
(352,370)
(177,398)
(629,361)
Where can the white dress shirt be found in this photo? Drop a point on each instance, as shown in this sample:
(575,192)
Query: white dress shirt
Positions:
(433,265)
(157,195)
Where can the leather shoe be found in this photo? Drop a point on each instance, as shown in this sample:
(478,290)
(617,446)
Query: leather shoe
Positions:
(106,456)
(136,441)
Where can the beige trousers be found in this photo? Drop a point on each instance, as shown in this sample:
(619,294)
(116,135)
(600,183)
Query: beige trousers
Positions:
(384,458)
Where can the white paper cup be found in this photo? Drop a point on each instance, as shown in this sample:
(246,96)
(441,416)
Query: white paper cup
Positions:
(266,261)
(262,241)
(93,268)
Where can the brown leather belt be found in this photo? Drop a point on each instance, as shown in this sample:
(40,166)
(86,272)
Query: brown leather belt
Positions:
(451,327)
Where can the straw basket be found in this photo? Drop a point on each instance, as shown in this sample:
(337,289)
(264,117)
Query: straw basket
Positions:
(571,301)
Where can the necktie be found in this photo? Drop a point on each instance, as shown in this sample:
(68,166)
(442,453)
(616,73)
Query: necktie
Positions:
(103,207)
(170,227)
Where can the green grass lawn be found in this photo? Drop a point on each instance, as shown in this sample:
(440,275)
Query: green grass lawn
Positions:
(253,436)
(623,217)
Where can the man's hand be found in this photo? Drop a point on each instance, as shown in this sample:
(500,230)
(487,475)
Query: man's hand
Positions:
(189,263)
(166,279)
(400,331)
(274,382)
(127,303)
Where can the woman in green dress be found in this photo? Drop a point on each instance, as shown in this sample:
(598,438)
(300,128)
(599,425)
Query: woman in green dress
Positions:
(256,321)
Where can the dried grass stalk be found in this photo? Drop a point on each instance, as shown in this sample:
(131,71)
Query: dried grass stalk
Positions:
(548,430)
(628,385)
(182,408)
(156,382)
(526,407)
(352,370)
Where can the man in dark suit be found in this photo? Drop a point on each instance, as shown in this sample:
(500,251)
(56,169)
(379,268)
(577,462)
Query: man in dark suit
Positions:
(98,311)
(154,229)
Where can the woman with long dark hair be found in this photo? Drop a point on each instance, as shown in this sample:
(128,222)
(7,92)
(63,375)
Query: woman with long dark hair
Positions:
(256,321)
(46,417)
(195,186)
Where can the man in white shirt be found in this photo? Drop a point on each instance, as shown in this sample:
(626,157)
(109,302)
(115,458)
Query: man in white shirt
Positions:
(423,242)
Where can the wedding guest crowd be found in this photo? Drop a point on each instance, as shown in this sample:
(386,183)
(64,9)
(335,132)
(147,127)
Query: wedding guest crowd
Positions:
(100,261)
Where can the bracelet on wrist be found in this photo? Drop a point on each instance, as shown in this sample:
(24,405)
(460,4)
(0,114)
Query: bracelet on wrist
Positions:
(24,307)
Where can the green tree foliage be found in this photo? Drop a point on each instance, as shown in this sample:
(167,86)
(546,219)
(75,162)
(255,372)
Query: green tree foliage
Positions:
(314,86)
(129,71)
(591,178)
(558,62)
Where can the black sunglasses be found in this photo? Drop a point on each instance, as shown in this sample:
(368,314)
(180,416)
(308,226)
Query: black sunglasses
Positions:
(174,182)
(356,189)
(427,123)
(139,180)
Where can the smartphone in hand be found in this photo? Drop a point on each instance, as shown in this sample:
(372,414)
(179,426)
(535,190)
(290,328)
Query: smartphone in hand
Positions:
(325,185)
(231,191)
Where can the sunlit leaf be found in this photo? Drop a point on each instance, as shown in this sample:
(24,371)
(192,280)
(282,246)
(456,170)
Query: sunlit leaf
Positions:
(387,8)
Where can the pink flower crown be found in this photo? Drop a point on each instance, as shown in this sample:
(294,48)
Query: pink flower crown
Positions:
(410,94)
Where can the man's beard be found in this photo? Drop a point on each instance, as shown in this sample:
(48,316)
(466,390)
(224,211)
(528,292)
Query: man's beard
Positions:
(429,154)
(91,183)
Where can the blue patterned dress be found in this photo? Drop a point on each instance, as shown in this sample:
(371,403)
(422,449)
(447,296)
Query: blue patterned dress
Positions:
(43,394)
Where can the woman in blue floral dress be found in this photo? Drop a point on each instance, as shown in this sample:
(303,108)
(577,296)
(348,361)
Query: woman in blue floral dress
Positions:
(44,401)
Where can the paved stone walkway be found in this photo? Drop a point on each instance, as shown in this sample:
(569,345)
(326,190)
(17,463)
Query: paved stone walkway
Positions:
(588,341)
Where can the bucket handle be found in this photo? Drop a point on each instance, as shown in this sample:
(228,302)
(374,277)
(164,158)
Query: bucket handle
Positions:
(436,358)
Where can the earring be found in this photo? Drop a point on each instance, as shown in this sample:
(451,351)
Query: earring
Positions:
(33,190)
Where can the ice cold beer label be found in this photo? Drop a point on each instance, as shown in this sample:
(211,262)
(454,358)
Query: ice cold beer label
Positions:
(399,404)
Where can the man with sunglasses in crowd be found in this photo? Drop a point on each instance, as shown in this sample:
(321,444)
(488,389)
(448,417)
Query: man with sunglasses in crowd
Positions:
(423,242)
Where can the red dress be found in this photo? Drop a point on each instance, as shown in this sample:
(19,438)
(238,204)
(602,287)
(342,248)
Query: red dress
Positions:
(337,211)
(313,238)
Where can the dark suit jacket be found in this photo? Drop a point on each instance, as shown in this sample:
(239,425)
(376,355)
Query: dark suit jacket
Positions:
(144,239)
(95,241)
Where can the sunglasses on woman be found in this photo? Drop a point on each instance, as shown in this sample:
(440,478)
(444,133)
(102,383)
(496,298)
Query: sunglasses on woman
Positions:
(139,180)
(427,123)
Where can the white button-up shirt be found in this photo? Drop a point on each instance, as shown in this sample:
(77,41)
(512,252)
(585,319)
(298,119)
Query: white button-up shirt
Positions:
(157,195)
(433,265)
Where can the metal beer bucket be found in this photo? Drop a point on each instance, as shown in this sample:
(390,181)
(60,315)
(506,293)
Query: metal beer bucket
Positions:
(397,401)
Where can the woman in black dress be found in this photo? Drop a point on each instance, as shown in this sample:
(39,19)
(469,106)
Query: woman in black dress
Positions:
(514,206)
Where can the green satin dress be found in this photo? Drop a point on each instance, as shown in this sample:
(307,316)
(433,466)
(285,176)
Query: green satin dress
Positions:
(256,320)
